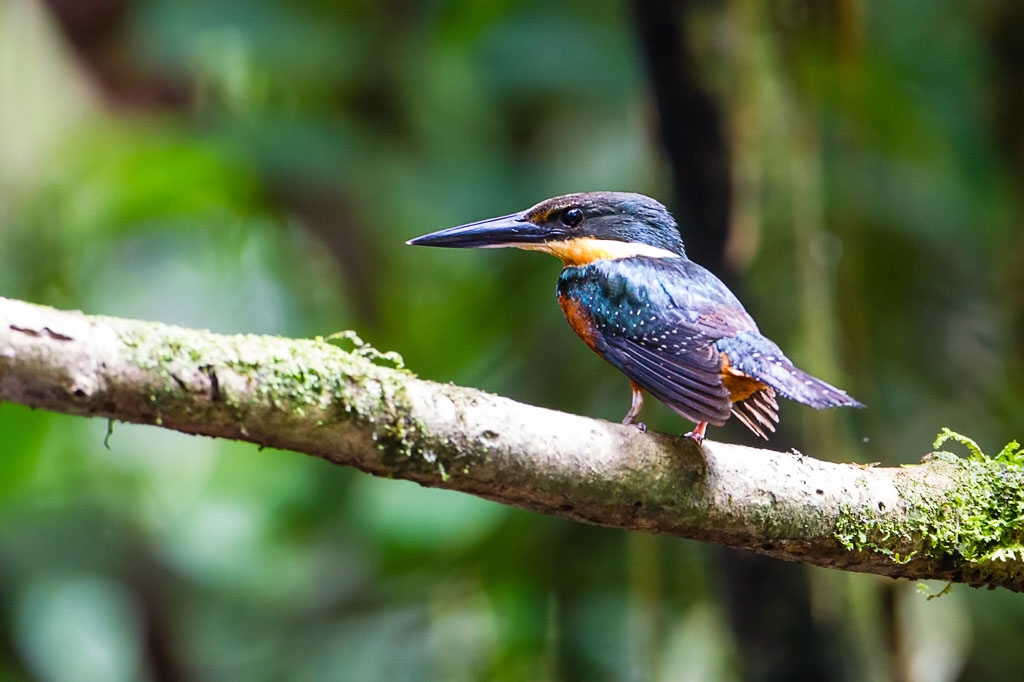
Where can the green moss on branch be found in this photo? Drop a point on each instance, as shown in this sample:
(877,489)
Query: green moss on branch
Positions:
(977,516)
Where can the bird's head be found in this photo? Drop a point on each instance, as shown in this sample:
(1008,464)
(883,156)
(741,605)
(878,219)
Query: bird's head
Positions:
(577,228)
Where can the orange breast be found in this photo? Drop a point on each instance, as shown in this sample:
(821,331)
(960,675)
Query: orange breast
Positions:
(580,320)
(740,386)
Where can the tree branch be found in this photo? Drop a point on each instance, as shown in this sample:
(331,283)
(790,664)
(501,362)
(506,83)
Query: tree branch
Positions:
(947,518)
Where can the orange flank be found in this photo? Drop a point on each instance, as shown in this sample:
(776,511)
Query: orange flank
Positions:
(581,321)
(584,250)
(740,386)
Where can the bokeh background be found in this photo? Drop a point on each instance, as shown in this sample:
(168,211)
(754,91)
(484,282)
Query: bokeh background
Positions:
(853,169)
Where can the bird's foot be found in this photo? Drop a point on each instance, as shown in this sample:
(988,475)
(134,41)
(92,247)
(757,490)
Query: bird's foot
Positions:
(634,409)
(697,435)
(697,438)
(630,420)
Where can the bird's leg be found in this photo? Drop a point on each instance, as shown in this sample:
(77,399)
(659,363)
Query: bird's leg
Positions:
(634,409)
(697,435)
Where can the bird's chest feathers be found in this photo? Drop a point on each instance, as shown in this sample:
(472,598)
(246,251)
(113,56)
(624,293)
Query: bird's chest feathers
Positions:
(610,289)
(596,304)
(582,321)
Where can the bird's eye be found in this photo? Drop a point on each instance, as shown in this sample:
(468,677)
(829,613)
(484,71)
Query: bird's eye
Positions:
(571,217)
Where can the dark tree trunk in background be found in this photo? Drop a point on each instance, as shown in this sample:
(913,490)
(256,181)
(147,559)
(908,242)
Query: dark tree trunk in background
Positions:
(768,602)
(769,608)
(691,133)
(1005,23)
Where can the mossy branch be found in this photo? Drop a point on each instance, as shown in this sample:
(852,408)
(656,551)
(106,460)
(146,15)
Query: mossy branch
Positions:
(947,518)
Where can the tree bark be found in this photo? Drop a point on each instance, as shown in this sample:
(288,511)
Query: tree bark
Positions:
(948,518)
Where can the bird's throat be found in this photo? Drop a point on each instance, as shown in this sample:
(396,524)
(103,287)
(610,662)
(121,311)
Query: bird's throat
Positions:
(584,250)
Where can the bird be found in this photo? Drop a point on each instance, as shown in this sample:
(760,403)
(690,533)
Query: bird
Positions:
(629,291)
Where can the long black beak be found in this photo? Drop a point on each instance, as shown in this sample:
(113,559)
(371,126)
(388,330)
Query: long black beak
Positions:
(493,233)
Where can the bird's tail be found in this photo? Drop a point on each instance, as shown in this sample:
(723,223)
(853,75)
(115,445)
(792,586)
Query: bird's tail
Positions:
(760,358)
(798,385)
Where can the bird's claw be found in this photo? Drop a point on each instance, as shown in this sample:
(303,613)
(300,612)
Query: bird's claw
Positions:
(696,437)
(630,420)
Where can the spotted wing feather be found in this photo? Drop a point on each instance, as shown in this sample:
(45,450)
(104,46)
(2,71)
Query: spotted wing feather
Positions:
(686,378)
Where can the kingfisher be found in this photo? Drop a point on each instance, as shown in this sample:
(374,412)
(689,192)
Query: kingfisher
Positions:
(629,291)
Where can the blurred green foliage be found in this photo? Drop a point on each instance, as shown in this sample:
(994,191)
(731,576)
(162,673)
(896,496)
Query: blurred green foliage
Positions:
(256,165)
